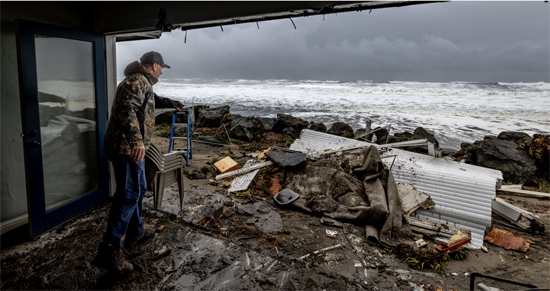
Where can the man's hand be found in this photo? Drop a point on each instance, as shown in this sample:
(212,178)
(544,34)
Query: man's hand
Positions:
(180,106)
(137,154)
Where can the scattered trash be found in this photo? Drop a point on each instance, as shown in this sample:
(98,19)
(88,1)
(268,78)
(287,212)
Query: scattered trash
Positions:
(454,274)
(517,216)
(286,159)
(226,164)
(444,247)
(159,254)
(507,240)
(223,231)
(426,258)
(420,243)
(457,237)
(321,250)
(243,170)
(286,196)
(412,199)
(241,182)
(331,233)
(330,221)
(262,155)
(434,230)
(484,249)
(160,228)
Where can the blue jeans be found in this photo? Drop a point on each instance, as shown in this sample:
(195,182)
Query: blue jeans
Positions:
(125,214)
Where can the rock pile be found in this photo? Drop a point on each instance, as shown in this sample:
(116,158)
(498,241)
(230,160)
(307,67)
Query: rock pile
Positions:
(520,157)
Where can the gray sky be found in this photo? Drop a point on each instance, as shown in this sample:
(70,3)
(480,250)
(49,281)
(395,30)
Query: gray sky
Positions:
(453,41)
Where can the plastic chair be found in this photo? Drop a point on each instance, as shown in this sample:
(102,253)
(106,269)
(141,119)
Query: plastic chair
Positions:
(162,170)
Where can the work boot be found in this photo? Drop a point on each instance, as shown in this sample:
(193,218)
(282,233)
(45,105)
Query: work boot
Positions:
(147,235)
(113,261)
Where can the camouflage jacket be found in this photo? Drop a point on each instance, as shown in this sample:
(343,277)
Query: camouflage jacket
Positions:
(132,117)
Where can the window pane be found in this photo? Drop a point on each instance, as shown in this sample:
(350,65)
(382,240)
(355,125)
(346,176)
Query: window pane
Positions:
(65,73)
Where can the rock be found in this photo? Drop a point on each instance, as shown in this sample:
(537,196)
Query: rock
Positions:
(405,134)
(268,123)
(164,115)
(516,165)
(198,108)
(285,121)
(292,132)
(513,136)
(382,135)
(489,137)
(242,128)
(445,152)
(341,129)
(394,139)
(464,149)
(212,117)
(359,133)
(421,133)
(321,127)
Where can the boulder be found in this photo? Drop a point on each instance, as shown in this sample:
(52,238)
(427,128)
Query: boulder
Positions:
(285,121)
(464,149)
(513,136)
(321,127)
(516,165)
(212,117)
(268,123)
(394,139)
(360,132)
(242,128)
(421,133)
(382,135)
(405,134)
(341,129)
(489,137)
(163,115)
(292,132)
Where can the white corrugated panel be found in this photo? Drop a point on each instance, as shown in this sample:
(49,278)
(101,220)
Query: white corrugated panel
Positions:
(241,182)
(462,193)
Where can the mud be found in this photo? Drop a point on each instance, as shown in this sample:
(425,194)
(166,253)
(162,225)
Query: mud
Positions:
(225,253)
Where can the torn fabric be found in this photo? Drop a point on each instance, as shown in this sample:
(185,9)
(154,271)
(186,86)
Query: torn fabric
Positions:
(326,190)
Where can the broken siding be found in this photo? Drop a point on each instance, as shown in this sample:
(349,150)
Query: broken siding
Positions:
(242,182)
(462,193)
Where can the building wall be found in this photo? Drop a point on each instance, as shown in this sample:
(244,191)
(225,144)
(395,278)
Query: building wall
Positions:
(13,198)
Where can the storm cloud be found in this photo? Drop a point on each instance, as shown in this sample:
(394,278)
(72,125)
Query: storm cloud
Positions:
(453,41)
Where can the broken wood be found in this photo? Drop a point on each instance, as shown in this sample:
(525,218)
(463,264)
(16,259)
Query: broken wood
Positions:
(517,191)
(244,170)
(321,250)
(443,247)
(430,227)
(226,164)
(517,216)
(507,240)
(411,199)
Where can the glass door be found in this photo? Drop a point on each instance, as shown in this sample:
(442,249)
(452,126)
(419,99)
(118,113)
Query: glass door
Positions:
(63,101)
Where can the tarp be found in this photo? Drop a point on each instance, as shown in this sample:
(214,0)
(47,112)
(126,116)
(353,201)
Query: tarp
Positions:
(372,201)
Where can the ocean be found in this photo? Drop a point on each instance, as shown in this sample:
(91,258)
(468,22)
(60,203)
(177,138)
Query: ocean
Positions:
(455,112)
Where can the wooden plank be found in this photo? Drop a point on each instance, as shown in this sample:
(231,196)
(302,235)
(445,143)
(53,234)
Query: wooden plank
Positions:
(243,170)
(226,164)
(434,226)
(517,191)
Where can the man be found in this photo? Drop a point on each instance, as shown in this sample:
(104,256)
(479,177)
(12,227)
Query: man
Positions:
(126,141)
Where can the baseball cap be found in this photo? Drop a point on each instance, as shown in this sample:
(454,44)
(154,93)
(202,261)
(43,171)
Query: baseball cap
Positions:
(153,58)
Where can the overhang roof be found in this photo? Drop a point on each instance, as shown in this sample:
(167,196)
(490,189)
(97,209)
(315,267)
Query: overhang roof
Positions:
(142,20)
